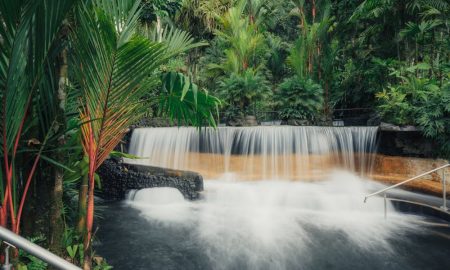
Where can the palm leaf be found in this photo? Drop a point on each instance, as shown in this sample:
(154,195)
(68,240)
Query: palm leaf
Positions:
(28,30)
(177,41)
(183,102)
(113,76)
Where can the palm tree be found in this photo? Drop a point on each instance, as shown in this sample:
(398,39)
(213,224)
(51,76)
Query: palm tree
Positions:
(242,37)
(28,32)
(257,10)
(114,68)
(312,55)
(307,49)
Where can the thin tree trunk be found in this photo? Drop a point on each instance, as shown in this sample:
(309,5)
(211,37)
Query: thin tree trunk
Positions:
(89,225)
(82,205)
(327,109)
(82,212)
(417,52)
(56,219)
(319,68)
(310,63)
(417,57)
(302,18)
(158,28)
(433,52)
(89,218)
(313,11)
(438,57)
(397,43)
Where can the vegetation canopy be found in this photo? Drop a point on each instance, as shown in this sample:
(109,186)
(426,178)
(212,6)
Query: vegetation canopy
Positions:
(75,75)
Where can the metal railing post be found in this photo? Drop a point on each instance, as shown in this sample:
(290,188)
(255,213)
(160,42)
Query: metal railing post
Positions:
(7,265)
(444,192)
(405,181)
(444,188)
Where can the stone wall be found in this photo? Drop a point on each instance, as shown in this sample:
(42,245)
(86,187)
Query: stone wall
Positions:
(123,177)
(394,169)
(406,143)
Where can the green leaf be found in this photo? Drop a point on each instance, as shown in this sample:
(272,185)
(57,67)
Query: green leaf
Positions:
(119,154)
(195,107)
(97,180)
(72,251)
(186,86)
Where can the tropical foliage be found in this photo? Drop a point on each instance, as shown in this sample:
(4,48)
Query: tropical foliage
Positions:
(74,75)
(358,51)
(29,92)
(420,101)
(299,99)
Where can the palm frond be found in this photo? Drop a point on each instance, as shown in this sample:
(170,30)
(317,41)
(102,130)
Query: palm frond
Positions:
(184,102)
(111,74)
(176,40)
(28,30)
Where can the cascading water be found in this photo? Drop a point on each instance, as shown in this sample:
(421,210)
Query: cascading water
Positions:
(265,152)
(273,223)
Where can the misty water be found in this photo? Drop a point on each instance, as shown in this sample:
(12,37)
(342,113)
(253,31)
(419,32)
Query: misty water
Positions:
(272,223)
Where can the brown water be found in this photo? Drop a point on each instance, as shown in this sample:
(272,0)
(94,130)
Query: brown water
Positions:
(255,153)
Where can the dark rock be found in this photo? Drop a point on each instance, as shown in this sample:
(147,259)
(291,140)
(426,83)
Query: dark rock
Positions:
(391,127)
(298,122)
(235,123)
(406,143)
(155,122)
(118,178)
(250,120)
(374,120)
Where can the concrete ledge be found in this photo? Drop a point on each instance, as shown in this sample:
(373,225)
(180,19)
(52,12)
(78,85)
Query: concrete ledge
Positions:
(120,177)
(422,209)
(394,169)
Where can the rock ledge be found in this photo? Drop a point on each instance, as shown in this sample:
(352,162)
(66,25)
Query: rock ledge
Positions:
(120,177)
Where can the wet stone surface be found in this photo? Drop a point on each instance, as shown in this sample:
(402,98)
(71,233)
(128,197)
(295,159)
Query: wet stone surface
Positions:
(118,178)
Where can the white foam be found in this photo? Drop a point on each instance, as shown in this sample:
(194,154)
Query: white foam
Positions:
(162,204)
(264,221)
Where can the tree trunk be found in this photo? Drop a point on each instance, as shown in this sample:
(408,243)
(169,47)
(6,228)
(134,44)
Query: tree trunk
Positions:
(56,219)
(89,224)
(158,28)
(327,109)
(82,205)
(313,10)
(82,210)
(302,19)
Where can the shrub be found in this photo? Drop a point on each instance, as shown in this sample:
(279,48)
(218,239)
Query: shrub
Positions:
(243,90)
(298,98)
(417,100)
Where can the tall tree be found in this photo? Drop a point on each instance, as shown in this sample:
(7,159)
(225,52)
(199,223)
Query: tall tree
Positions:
(114,68)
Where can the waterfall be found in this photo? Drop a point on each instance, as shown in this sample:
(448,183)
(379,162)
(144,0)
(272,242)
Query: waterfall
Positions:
(266,224)
(263,152)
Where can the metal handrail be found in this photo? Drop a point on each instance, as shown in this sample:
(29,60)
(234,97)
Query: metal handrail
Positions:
(444,186)
(12,239)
